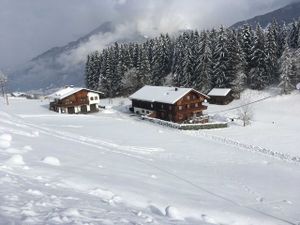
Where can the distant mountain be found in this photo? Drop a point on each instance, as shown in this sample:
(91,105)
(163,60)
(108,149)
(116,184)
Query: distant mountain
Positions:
(285,14)
(65,65)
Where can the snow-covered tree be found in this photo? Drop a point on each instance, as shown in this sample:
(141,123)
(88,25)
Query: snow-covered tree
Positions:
(3,82)
(203,79)
(245,112)
(271,51)
(247,42)
(259,73)
(220,69)
(286,70)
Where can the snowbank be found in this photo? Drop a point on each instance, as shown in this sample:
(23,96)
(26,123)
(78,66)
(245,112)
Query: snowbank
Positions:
(50,160)
(5,140)
(15,160)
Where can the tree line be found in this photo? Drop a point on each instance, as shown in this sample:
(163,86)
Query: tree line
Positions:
(225,58)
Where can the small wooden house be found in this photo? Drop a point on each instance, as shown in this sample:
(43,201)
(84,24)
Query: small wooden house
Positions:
(75,100)
(220,96)
(168,103)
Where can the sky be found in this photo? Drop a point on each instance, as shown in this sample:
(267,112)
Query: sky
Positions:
(30,27)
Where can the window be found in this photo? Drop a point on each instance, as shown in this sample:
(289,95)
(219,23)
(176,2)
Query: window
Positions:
(196,105)
(170,107)
(188,97)
(152,106)
(96,98)
(188,106)
(162,106)
(180,107)
(92,98)
(194,97)
(147,112)
(143,111)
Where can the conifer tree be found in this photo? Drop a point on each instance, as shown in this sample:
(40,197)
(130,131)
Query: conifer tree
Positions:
(220,70)
(247,43)
(259,74)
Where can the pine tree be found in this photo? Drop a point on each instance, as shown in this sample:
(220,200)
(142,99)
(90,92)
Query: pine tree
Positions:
(271,51)
(247,43)
(203,81)
(88,72)
(220,69)
(293,36)
(259,73)
(178,59)
(235,58)
(285,69)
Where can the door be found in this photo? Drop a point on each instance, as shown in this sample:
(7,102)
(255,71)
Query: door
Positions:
(93,107)
(83,109)
(71,110)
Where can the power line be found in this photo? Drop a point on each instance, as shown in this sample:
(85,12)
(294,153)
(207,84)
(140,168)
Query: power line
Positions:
(237,107)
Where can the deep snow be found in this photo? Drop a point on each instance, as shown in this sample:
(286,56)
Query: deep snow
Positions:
(113,168)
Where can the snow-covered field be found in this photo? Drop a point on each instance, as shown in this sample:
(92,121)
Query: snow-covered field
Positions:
(113,168)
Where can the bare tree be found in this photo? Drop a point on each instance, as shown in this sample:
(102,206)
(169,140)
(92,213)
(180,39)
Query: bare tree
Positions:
(245,112)
(3,82)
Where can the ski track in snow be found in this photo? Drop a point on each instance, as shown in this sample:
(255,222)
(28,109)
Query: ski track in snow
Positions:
(61,215)
(39,205)
(241,146)
(100,144)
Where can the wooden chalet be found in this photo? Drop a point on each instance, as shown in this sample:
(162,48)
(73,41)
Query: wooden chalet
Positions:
(168,103)
(75,100)
(220,96)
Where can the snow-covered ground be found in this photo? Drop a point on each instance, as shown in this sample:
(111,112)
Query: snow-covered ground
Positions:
(113,168)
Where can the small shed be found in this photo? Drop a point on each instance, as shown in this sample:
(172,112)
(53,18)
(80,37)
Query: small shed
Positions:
(220,96)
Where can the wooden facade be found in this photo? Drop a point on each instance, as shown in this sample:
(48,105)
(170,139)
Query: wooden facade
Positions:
(82,101)
(221,99)
(188,106)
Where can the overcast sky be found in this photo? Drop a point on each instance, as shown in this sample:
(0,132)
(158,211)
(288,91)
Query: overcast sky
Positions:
(30,27)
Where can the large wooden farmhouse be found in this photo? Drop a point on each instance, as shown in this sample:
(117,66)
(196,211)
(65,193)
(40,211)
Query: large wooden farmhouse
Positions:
(168,103)
(75,100)
(220,96)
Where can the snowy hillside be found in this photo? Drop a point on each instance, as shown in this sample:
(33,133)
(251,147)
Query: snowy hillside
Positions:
(113,168)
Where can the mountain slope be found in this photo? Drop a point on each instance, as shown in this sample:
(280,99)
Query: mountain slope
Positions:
(286,14)
(65,65)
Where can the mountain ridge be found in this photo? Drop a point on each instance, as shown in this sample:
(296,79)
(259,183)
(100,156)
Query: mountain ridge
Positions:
(55,68)
(286,14)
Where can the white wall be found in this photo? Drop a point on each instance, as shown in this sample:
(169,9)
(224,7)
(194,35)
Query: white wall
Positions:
(93,95)
(142,111)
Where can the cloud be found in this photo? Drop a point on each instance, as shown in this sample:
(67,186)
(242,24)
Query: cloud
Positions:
(30,27)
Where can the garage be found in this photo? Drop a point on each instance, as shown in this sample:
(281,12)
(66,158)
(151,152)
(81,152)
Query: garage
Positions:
(83,109)
(93,108)
(71,110)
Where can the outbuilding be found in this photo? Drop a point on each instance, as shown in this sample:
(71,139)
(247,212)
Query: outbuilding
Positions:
(220,96)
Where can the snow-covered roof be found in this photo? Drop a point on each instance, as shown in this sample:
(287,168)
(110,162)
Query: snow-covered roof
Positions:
(65,92)
(18,94)
(219,92)
(163,94)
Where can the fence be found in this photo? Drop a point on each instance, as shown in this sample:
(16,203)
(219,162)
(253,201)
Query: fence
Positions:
(197,126)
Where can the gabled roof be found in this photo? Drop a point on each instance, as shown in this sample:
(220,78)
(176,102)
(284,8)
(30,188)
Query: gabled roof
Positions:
(219,92)
(162,94)
(65,92)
